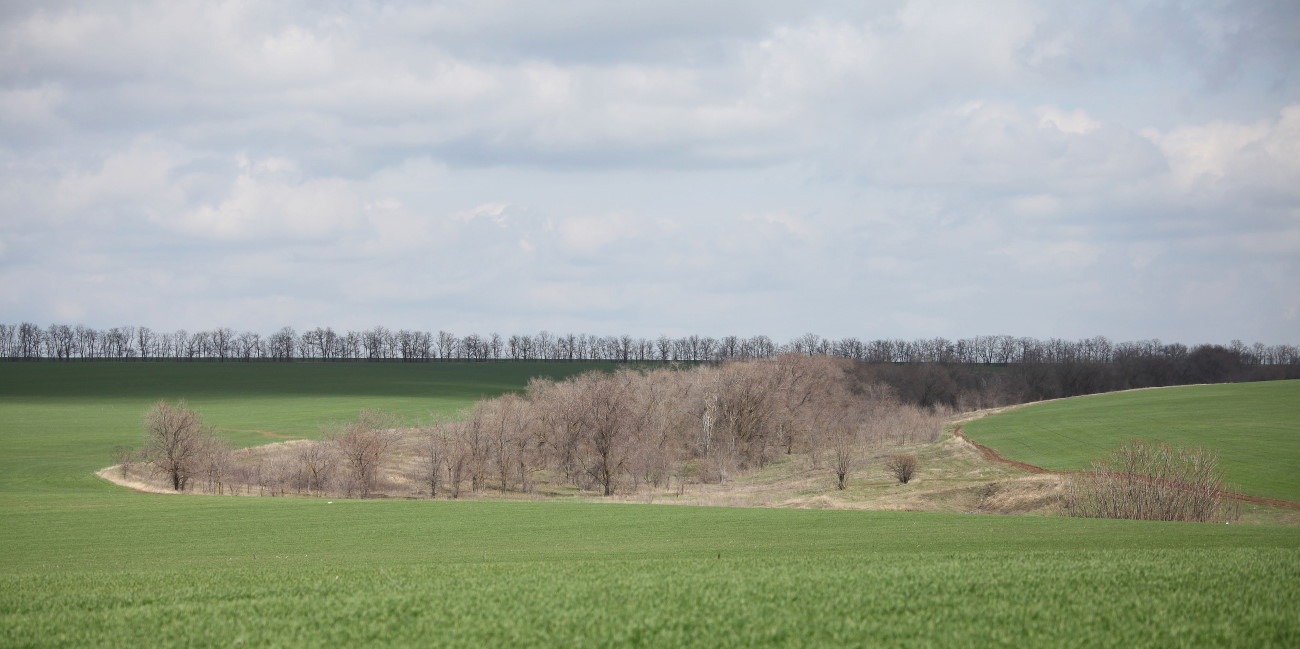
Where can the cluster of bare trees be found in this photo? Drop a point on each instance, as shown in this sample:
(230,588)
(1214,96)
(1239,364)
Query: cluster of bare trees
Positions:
(182,453)
(178,448)
(61,341)
(613,431)
(606,432)
(1154,482)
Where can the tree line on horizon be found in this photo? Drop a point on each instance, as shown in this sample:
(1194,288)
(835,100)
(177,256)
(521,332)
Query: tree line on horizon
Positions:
(28,341)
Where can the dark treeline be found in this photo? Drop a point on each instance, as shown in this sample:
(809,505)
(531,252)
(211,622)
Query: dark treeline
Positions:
(970,372)
(28,341)
(966,387)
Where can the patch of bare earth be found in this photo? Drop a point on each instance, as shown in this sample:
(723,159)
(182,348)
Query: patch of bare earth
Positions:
(132,481)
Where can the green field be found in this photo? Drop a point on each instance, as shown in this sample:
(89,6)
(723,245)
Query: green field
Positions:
(1254,427)
(85,563)
(60,421)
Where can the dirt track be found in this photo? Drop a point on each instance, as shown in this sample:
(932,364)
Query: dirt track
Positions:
(262,432)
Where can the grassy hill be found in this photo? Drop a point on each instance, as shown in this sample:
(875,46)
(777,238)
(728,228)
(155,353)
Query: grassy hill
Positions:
(87,564)
(59,422)
(1254,427)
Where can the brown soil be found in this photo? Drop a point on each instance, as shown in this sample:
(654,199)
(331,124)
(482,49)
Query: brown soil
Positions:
(262,432)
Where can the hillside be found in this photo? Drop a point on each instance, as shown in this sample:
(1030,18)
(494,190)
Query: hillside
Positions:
(1254,427)
(59,422)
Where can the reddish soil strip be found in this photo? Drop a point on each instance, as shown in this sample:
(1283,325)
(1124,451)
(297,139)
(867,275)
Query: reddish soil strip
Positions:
(263,432)
(990,454)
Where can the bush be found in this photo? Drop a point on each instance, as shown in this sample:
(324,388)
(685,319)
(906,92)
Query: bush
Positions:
(1151,482)
(902,466)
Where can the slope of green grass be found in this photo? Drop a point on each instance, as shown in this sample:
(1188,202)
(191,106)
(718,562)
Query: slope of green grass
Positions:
(1254,427)
(59,422)
(206,571)
(88,564)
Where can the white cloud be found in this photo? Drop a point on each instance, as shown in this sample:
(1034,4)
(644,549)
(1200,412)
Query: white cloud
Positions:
(32,107)
(494,212)
(140,173)
(260,205)
(1074,122)
(1223,155)
(648,167)
(588,234)
(788,222)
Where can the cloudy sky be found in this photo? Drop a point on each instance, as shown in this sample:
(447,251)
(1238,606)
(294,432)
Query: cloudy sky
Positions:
(870,169)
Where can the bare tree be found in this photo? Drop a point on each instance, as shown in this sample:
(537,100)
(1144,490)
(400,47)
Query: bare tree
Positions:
(901,466)
(365,446)
(446,345)
(508,421)
(144,340)
(846,451)
(175,441)
(316,465)
(215,464)
(434,448)
(606,431)
(248,345)
(124,457)
(282,343)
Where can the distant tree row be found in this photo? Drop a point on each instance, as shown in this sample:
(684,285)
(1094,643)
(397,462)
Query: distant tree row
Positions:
(27,341)
(972,386)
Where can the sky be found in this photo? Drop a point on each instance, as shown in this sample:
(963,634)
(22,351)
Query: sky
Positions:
(868,169)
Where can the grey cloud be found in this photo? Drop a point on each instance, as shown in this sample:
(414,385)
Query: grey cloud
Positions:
(904,169)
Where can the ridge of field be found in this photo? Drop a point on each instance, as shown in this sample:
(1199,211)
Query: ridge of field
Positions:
(152,570)
(84,563)
(1254,428)
(59,422)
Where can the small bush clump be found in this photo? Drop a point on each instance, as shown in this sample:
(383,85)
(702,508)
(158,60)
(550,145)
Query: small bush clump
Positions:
(1153,482)
(901,466)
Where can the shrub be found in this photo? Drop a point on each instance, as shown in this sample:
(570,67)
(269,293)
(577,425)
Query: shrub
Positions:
(901,466)
(1153,482)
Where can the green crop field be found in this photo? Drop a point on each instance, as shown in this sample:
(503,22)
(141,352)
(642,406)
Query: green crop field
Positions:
(87,564)
(60,421)
(205,571)
(1254,427)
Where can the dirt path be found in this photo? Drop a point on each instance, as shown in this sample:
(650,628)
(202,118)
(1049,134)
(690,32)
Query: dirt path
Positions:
(113,474)
(262,432)
(990,454)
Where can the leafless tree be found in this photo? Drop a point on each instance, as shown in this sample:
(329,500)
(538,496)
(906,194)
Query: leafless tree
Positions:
(7,339)
(508,436)
(446,345)
(846,450)
(901,467)
(365,446)
(216,463)
(605,429)
(124,457)
(248,343)
(317,463)
(283,343)
(175,441)
(434,449)
(144,340)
